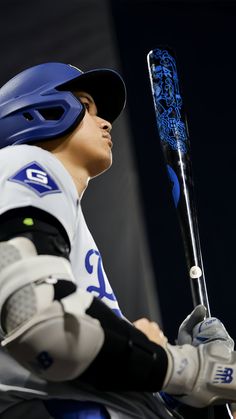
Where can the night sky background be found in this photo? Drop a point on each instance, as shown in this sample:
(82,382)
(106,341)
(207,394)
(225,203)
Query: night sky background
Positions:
(203,36)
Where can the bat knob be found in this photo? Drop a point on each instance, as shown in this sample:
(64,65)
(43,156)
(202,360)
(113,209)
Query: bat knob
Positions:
(195,272)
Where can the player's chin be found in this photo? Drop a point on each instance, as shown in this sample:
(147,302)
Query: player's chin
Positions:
(102,164)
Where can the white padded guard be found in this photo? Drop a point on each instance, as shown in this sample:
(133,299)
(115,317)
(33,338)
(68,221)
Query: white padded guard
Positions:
(62,329)
(31,269)
(71,338)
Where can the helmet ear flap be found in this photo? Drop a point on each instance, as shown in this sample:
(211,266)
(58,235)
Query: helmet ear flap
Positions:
(40,117)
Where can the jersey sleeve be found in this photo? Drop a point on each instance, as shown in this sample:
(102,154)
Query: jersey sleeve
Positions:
(31,176)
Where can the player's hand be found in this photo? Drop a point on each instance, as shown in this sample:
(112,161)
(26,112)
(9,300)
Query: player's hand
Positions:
(152,331)
(185,333)
(195,329)
(203,375)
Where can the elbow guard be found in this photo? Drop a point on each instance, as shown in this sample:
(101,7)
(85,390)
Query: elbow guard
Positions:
(46,330)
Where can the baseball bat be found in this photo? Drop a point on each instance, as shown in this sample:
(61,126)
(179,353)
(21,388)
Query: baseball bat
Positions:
(175,144)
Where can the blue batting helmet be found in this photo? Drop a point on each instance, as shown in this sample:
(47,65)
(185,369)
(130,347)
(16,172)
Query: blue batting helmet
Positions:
(38,103)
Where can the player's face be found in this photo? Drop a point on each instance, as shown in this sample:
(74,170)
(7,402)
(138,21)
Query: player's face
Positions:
(90,142)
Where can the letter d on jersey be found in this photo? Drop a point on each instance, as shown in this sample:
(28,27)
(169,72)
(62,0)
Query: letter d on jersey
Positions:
(36,178)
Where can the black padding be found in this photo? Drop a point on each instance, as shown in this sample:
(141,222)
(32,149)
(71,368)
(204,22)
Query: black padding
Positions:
(47,234)
(44,230)
(128,361)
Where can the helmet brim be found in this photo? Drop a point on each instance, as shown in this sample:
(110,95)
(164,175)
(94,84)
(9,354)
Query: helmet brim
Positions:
(107,89)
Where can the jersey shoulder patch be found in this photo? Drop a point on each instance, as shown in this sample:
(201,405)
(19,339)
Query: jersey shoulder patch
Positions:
(36,178)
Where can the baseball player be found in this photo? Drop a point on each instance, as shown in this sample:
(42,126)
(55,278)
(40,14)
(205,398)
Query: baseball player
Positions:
(66,349)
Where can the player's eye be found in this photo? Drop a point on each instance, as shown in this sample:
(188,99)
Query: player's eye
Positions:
(88,104)
(85,103)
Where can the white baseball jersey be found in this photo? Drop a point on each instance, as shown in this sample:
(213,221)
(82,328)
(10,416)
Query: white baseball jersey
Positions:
(31,176)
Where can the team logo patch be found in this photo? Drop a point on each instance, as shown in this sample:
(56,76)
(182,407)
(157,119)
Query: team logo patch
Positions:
(35,177)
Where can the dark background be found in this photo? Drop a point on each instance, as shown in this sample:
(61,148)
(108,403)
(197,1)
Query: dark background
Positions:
(203,35)
(130,210)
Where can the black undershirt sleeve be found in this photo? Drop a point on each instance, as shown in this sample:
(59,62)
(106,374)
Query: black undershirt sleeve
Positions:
(128,360)
(44,230)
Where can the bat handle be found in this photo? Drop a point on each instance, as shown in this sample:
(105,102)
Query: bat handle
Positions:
(187,214)
(199,293)
(196,271)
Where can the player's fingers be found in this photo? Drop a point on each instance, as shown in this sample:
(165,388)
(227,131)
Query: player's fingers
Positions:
(160,339)
(151,330)
(142,322)
(197,316)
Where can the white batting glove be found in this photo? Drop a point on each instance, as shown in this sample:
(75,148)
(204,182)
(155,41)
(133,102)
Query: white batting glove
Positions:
(185,333)
(203,375)
(195,329)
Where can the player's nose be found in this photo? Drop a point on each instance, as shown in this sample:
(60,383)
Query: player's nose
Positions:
(106,126)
